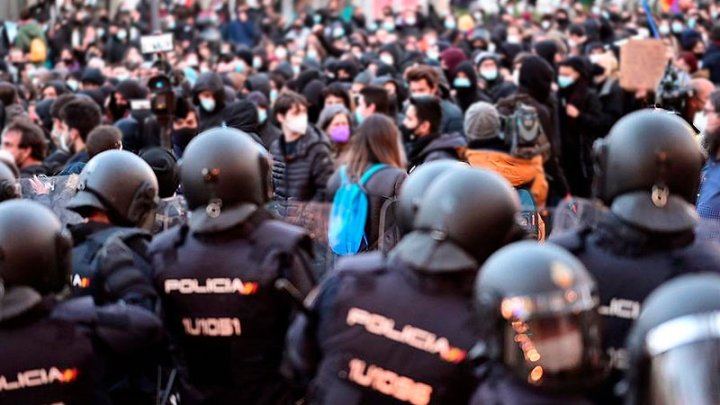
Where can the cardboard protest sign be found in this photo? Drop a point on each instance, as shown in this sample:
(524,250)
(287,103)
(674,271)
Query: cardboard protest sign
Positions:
(642,64)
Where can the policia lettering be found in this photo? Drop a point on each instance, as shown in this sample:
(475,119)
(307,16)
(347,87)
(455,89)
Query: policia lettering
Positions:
(389,383)
(408,335)
(211,286)
(212,326)
(38,377)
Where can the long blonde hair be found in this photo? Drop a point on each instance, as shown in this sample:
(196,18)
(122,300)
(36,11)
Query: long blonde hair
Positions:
(377,140)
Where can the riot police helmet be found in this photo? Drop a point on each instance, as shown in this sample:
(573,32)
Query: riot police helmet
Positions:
(35,249)
(415,186)
(674,346)
(537,315)
(225,176)
(465,215)
(647,170)
(120,184)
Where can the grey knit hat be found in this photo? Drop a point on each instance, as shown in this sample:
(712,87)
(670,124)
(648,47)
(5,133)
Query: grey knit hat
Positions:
(482,121)
(329,112)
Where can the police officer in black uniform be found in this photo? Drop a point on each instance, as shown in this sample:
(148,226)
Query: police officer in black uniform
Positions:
(216,276)
(539,327)
(47,346)
(117,195)
(647,172)
(397,329)
(674,346)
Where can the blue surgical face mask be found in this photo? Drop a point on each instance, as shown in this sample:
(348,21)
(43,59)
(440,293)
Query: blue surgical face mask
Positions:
(262,116)
(208,104)
(73,85)
(450,24)
(565,81)
(489,74)
(273,95)
(461,82)
(358,117)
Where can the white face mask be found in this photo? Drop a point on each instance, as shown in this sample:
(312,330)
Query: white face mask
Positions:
(62,139)
(387,59)
(281,53)
(297,125)
(513,39)
(516,77)
(700,121)
(562,352)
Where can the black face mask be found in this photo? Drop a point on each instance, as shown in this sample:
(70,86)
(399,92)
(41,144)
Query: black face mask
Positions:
(182,137)
(118,111)
(563,23)
(408,134)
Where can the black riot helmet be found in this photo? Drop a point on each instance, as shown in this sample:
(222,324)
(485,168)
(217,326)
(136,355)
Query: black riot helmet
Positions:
(465,215)
(415,187)
(225,176)
(537,315)
(120,184)
(648,171)
(35,250)
(674,346)
(9,187)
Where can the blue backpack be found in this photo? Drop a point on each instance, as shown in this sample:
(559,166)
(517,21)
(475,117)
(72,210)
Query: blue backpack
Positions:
(346,230)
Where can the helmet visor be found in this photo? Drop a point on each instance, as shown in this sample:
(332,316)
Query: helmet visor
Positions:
(689,374)
(553,341)
(685,360)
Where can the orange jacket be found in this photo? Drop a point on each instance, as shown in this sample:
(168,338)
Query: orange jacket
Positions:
(516,170)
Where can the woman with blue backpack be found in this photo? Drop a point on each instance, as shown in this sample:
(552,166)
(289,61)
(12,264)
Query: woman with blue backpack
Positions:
(364,189)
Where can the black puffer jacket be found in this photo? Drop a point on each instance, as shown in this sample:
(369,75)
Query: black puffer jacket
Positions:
(382,188)
(448,146)
(301,171)
(212,82)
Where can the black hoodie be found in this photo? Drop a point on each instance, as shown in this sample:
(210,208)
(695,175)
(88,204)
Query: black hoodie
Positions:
(467,96)
(211,82)
(259,82)
(243,115)
(547,50)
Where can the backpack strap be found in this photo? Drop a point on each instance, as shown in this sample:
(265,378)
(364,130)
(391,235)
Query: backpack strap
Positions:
(370,172)
(387,204)
(343,175)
